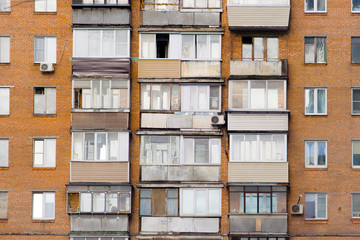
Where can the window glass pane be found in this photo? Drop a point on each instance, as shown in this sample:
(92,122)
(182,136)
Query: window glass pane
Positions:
(214,201)
(4,48)
(49,205)
(113,146)
(201,150)
(321,50)
(122,43)
(309,5)
(250,148)
(3,205)
(50,152)
(4,153)
(145,202)
(187,202)
(85,202)
(156,97)
(272,49)
(356,153)
(160,149)
(89,146)
(309,153)
(175,149)
(214,3)
(309,100)
(51,5)
(237,147)
(321,101)
(356,5)
(309,50)
(39,49)
(258,48)
(188,46)
(236,204)
(321,208)
(215,148)
(202,48)
(81,42)
(145,96)
(321,153)
(214,98)
(108,43)
(40,5)
(38,206)
(98,202)
(200,202)
(355,49)
(39,152)
(215,48)
(355,205)
(203,98)
(279,202)
(175,97)
(112,203)
(276,95)
(50,100)
(94,43)
(125,202)
(77,146)
(239,97)
(189,150)
(4,100)
(257,92)
(105,94)
(321,5)
(172,202)
(188,3)
(356,100)
(165,90)
(50,49)
(251,202)
(265,148)
(264,203)
(310,205)
(148,49)
(39,100)
(246,48)
(278,148)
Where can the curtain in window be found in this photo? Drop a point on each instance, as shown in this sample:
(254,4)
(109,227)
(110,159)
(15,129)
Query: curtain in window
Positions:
(310,205)
(4,100)
(258,48)
(272,49)
(321,153)
(188,201)
(321,50)
(309,153)
(309,49)
(258,94)
(98,202)
(200,202)
(309,100)
(321,101)
(251,202)
(85,202)
(148,49)
(321,5)
(49,205)
(309,5)
(214,201)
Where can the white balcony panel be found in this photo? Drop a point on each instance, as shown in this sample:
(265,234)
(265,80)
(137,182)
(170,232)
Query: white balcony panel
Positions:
(256,68)
(258,122)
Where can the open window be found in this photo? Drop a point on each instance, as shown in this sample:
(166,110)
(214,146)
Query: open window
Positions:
(159,202)
(260,49)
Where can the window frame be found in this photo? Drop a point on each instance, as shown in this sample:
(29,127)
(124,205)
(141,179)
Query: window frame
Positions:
(265,45)
(315,7)
(6,165)
(166,190)
(352,153)
(248,108)
(7,8)
(42,218)
(352,100)
(6,193)
(194,8)
(45,111)
(207,206)
(46,7)
(46,49)
(7,47)
(316,205)
(232,3)
(352,206)
(316,89)
(315,49)
(356,44)
(46,163)
(208,100)
(352,7)
(128,41)
(8,95)
(316,154)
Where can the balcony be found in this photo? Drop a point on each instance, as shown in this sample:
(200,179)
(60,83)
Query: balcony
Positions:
(105,172)
(178,121)
(264,172)
(160,68)
(258,68)
(258,15)
(258,223)
(100,3)
(99,223)
(191,173)
(180,225)
(247,121)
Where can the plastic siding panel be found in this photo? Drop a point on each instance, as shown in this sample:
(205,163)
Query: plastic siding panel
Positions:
(159,68)
(258,172)
(99,171)
(243,16)
(258,122)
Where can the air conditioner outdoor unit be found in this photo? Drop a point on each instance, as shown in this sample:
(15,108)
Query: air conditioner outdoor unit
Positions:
(297,209)
(217,120)
(46,67)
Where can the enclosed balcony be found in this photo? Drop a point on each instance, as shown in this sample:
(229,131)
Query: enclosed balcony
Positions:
(181,13)
(258,14)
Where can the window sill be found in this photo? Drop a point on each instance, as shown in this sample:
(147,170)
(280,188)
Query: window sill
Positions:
(314,114)
(6,168)
(356,169)
(310,64)
(5,116)
(316,169)
(43,221)
(44,168)
(314,13)
(4,63)
(5,13)
(45,115)
(98,213)
(45,13)
(314,220)
(99,110)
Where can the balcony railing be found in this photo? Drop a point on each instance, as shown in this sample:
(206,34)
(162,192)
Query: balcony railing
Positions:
(259,68)
(99,223)
(100,2)
(258,223)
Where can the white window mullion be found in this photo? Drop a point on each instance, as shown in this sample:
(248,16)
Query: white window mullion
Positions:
(316,154)
(249,94)
(315,101)
(101,43)
(95,147)
(258,148)
(243,154)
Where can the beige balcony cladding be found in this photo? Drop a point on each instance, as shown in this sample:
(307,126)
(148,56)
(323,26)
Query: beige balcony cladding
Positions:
(258,17)
(180,225)
(99,223)
(258,68)
(258,223)
(175,121)
(191,173)
(258,122)
(97,120)
(109,172)
(264,172)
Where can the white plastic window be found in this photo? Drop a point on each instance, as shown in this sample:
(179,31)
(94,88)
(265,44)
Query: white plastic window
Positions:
(45,5)
(45,49)
(4,48)
(200,202)
(44,206)
(45,153)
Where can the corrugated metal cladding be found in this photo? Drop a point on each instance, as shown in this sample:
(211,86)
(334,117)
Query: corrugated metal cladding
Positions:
(104,67)
(240,16)
(159,68)
(99,171)
(96,120)
(258,172)
(258,122)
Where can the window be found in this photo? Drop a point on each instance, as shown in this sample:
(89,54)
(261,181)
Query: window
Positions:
(200,202)
(258,3)
(102,43)
(315,154)
(4,48)
(160,46)
(201,46)
(4,101)
(315,5)
(315,101)
(356,154)
(166,150)
(160,5)
(202,4)
(110,2)
(3,205)
(5,6)
(258,148)
(355,205)
(45,153)
(355,49)
(44,100)
(104,202)
(200,98)
(260,49)
(4,152)
(45,5)
(262,199)
(45,49)
(160,97)
(315,206)
(257,94)
(315,49)
(355,101)
(100,146)
(355,5)
(101,94)
(159,202)
(111,238)
(43,206)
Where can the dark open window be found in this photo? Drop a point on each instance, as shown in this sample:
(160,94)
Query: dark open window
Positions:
(162,45)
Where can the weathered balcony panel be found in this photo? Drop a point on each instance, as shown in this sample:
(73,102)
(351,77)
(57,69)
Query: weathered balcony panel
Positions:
(101,16)
(176,18)
(159,68)
(99,171)
(102,67)
(258,122)
(201,69)
(177,121)
(96,3)
(258,17)
(191,173)
(181,225)
(258,68)
(99,223)
(99,120)
(259,172)
(260,223)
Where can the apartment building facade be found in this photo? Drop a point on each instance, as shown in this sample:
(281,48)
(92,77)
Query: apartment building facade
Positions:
(179,119)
